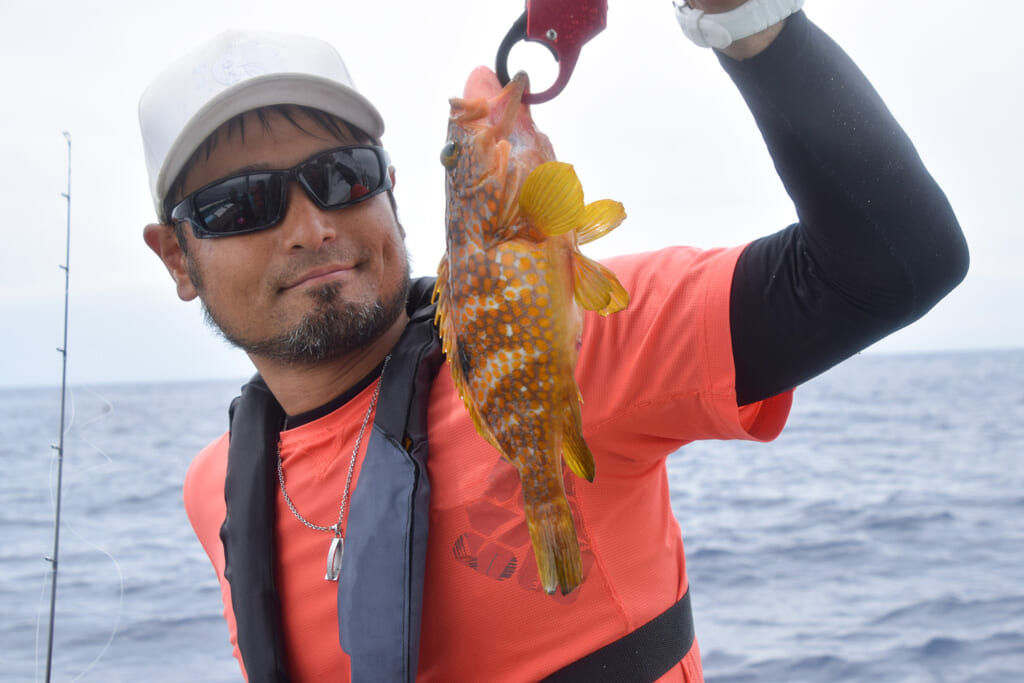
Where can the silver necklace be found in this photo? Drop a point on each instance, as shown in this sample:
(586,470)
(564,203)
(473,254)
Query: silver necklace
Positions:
(337,549)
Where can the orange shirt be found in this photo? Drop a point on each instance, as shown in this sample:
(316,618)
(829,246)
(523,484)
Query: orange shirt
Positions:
(653,378)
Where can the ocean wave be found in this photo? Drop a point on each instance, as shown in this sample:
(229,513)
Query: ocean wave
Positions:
(861,545)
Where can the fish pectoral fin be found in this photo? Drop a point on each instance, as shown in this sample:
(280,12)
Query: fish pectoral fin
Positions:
(552,198)
(597,288)
(599,219)
(574,449)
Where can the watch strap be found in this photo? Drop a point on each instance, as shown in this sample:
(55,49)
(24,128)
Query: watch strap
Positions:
(720,30)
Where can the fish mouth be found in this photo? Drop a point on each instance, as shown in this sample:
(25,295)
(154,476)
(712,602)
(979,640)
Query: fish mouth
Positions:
(507,108)
(504,108)
(483,82)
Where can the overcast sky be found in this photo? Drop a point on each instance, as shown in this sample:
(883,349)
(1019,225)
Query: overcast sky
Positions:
(648,119)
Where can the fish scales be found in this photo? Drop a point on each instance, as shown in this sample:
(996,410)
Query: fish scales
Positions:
(510,289)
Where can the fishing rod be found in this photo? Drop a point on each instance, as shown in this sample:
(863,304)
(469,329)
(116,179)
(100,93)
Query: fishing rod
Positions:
(63,350)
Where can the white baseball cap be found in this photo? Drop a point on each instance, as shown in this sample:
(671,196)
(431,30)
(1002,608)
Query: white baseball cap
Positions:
(236,72)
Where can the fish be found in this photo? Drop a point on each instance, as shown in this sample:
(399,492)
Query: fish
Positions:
(510,291)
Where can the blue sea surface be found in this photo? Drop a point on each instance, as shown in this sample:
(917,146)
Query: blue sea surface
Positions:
(880,538)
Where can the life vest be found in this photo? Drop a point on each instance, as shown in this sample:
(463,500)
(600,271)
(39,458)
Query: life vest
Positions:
(380,587)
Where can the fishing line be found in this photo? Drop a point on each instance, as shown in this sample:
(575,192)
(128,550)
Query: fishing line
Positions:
(105,411)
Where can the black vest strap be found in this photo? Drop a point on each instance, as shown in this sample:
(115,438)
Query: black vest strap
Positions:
(643,656)
(248,531)
(380,589)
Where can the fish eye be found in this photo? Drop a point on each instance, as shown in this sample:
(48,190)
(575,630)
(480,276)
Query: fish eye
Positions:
(449,154)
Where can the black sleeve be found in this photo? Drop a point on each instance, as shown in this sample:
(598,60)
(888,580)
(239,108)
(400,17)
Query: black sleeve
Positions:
(877,243)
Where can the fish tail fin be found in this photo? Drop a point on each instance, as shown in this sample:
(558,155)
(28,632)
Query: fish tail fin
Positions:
(574,449)
(554,545)
(597,288)
(599,219)
(552,198)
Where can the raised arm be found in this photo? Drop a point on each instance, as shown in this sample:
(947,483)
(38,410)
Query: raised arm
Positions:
(877,243)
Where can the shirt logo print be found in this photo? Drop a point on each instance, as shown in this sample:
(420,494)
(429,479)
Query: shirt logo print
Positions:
(497,542)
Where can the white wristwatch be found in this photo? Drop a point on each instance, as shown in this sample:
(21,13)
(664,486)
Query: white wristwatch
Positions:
(720,30)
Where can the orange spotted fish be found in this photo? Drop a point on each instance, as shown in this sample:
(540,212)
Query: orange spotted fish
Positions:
(510,289)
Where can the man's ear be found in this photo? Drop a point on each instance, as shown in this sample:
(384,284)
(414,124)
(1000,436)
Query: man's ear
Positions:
(164,243)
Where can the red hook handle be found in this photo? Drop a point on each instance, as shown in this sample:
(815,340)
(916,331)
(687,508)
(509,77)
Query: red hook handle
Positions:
(562,26)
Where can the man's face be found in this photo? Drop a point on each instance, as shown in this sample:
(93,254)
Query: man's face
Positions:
(317,285)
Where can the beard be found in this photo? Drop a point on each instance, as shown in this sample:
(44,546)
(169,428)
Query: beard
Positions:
(333,328)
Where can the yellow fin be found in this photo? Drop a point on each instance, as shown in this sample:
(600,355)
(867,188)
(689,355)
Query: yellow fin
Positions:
(599,219)
(552,198)
(597,288)
(574,449)
(555,545)
(442,278)
(439,296)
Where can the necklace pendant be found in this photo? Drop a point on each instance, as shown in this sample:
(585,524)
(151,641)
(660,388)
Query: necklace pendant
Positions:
(334,555)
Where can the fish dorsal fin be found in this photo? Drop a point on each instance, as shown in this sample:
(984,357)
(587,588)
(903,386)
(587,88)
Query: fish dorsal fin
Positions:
(442,315)
(599,219)
(442,280)
(552,198)
(597,288)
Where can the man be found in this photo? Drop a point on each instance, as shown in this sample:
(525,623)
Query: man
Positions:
(306,270)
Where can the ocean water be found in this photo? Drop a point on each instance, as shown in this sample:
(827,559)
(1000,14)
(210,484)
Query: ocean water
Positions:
(880,538)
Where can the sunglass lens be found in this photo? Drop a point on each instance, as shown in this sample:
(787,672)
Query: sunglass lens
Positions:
(241,204)
(343,176)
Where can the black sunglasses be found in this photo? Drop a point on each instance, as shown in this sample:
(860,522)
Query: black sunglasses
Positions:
(254,201)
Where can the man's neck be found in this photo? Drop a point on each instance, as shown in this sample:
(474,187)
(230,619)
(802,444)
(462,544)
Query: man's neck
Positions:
(301,388)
